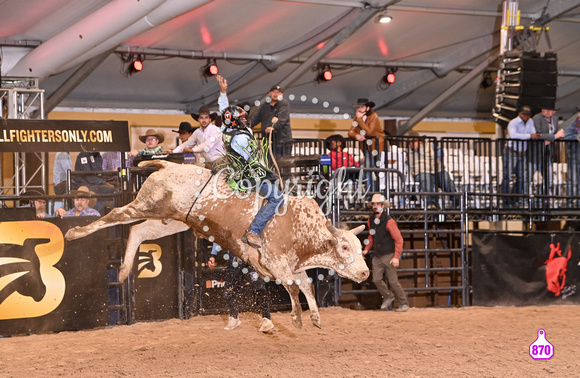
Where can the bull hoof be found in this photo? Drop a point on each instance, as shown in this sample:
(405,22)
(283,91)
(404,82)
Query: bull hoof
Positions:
(72,234)
(316,320)
(123,273)
(297,321)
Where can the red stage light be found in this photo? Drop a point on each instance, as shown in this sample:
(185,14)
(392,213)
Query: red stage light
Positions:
(211,68)
(390,78)
(324,73)
(137,65)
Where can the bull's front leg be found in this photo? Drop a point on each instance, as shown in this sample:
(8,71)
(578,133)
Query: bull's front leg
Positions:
(307,289)
(280,269)
(294,292)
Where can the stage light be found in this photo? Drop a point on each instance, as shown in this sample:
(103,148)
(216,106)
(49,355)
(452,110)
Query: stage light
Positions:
(135,65)
(384,18)
(210,69)
(389,77)
(324,73)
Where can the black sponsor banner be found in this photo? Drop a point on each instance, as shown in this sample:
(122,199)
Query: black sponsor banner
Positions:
(35,135)
(212,299)
(156,276)
(49,285)
(525,270)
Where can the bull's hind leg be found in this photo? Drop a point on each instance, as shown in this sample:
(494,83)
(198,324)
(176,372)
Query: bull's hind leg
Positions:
(308,291)
(119,215)
(151,229)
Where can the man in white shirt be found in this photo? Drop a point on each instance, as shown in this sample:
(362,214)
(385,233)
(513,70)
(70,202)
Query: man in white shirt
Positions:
(515,160)
(206,142)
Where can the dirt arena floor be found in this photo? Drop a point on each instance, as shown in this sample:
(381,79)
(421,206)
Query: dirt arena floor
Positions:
(474,341)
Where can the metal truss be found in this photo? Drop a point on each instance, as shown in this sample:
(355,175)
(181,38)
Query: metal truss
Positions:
(20,98)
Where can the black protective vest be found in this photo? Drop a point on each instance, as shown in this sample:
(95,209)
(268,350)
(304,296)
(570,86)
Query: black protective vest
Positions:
(383,242)
(246,173)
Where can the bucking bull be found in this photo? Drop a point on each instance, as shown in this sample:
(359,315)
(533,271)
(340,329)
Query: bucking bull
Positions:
(177,197)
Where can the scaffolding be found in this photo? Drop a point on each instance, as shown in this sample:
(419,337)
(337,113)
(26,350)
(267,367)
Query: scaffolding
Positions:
(20,98)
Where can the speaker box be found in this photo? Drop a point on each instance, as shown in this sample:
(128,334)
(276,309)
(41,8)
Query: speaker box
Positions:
(525,78)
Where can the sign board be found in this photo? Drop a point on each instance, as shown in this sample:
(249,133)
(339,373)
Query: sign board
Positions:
(48,285)
(525,270)
(40,135)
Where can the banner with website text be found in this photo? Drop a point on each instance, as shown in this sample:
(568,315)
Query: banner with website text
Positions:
(525,270)
(41,135)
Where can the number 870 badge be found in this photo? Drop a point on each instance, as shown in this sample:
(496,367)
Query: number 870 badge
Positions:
(541,349)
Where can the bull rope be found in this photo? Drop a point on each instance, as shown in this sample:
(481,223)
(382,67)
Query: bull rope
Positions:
(274,159)
(201,191)
(212,174)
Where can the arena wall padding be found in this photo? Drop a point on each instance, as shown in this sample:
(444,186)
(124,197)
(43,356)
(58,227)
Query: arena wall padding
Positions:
(156,276)
(48,285)
(525,270)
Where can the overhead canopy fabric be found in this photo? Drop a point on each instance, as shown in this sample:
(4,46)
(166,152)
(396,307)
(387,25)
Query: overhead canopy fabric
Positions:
(259,43)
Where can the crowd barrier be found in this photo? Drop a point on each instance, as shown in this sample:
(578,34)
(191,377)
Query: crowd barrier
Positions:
(500,174)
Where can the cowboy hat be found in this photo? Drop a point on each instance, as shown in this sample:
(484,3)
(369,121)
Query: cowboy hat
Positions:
(34,193)
(365,102)
(204,110)
(184,127)
(83,192)
(335,137)
(379,198)
(152,132)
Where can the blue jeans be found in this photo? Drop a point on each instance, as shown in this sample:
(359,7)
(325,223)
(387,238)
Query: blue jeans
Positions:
(269,191)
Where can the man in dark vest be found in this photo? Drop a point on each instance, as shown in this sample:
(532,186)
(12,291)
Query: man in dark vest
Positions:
(385,237)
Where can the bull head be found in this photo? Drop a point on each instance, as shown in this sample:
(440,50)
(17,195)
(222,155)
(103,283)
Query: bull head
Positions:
(347,258)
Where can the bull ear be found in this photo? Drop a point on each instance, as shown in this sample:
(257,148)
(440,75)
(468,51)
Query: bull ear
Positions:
(358,229)
(333,230)
(331,243)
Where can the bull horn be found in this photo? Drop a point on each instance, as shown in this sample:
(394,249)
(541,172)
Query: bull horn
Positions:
(358,230)
(333,230)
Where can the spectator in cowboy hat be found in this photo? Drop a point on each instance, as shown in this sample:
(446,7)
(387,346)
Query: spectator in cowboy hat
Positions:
(152,140)
(515,160)
(338,156)
(83,204)
(547,126)
(366,123)
(274,117)
(206,141)
(185,131)
(37,201)
(387,243)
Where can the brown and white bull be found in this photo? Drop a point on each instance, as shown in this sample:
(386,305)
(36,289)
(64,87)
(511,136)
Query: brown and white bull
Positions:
(177,197)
